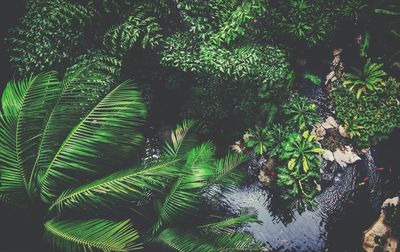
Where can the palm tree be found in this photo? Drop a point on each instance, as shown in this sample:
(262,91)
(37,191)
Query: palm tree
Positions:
(58,142)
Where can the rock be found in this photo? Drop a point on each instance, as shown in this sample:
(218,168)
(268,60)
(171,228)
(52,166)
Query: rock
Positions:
(318,131)
(343,132)
(247,136)
(238,147)
(328,155)
(345,156)
(332,122)
(270,165)
(337,51)
(365,150)
(264,178)
(329,77)
(327,125)
(267,171)
(392,201)
(379,229)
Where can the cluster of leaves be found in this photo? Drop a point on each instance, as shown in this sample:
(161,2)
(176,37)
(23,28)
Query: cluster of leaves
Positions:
(371,117)
(265,66)
(301,113)
(302,21)
(368,79)
(239,21)
(267,140)
(138,26)
(231,82)
(296,149)
(302,172)
(51,33)
(205,39)
(56,136)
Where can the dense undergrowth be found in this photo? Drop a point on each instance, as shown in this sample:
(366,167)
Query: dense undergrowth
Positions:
(234,67)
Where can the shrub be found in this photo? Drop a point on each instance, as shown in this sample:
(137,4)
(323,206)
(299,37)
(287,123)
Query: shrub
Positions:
(267,140)
(51,33)
(372,117)
(368,79)
(300,112)
(301,21)
(300,176)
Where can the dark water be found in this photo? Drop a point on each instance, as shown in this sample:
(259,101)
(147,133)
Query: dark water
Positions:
(344,208)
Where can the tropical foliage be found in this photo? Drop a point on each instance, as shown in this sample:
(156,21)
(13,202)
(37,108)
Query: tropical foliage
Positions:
(301,174)
(39,42)
(301,113)
(70,149)
(266,140)
(296,150)
(368,79)
(57,135)
(373,116)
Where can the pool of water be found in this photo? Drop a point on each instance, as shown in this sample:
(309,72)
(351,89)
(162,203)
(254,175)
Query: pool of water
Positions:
(344,208)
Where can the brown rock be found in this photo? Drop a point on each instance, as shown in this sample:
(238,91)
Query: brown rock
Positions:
(270,165)
(343,132)
(264,178)
(328,155)
(337,51)
(378,228)
(267,171)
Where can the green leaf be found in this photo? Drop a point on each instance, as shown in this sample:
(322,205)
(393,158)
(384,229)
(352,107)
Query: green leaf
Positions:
(24,106)
(91,235)
(291,164)
(184,195)
(120,186)
(105,134)
(228,225)
(313,78)
(305,165)
(365,45)
(182,139)
(186,241)
(225,171)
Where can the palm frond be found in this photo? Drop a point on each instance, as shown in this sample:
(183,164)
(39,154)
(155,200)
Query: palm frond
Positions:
(24,106)
(120,186)
(184,196)
(176,203)
(237,241)
(228,225)
(226,170)
(104,137)
(186,241)
(183,139)
(91,235)
(83,85)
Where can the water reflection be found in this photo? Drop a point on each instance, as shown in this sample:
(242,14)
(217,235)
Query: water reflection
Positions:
(293,225)
(334,221)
